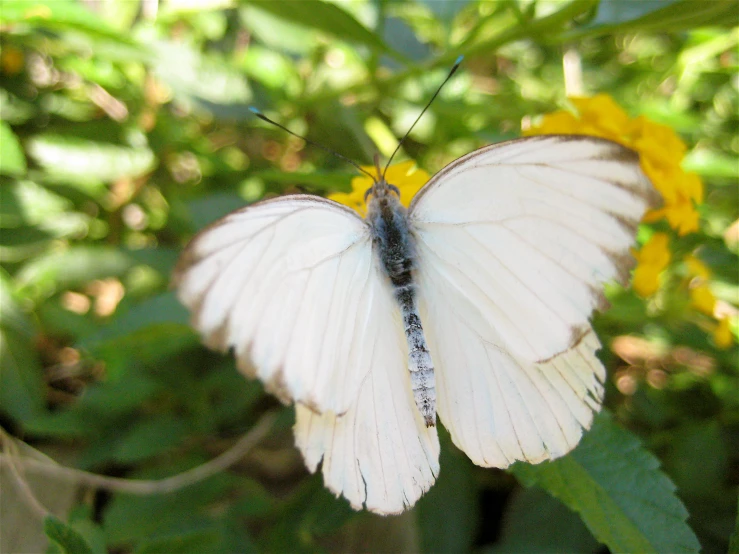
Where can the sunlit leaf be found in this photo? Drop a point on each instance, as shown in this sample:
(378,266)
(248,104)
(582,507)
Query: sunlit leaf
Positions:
(205,80)
(330,18)
(710,163)
(59,14)
(317,181)
(72,268)
(86,163)
(12,160)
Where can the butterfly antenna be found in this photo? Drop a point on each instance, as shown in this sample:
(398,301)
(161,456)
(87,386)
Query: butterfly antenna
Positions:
(263,117)
(441,86)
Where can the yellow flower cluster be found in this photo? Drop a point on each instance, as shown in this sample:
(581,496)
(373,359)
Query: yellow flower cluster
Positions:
(703,300)
(652,259)
(406,176)
(661,152)
(660,149)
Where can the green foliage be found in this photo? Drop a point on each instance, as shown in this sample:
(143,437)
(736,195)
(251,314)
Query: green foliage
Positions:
(63,538)
(616,487)
(126,130)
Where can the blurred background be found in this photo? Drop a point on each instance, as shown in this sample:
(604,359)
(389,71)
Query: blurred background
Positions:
(125,129)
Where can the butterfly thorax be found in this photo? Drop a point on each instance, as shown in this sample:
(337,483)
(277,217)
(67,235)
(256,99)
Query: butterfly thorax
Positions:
(391,235)
(394,246)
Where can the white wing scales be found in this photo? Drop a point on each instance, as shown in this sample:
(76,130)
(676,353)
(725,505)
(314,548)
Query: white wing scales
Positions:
(514,242)
(380,453)
(498,407)
(290,285)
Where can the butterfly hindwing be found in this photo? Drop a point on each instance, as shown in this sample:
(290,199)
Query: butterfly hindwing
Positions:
(380,453)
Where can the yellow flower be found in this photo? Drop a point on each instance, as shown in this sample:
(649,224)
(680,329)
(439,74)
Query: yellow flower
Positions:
(652,259)
(682,216)
(557,123)
(697,268)
(602,113)
(657,142)
(681,192)
(722,335)
(702,299)
(660,150)
(404,175)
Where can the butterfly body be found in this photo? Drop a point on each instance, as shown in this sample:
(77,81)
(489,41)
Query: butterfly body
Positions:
(393,244)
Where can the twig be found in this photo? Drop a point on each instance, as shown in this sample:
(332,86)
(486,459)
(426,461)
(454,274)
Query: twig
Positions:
(10,456)
(143,487)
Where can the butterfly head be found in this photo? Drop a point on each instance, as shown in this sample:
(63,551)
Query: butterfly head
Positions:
(380,188)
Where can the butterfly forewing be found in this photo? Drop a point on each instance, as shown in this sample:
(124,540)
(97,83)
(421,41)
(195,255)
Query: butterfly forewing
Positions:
(514,242)
(292,287)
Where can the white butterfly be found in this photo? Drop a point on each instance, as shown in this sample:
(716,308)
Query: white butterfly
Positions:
(473,304)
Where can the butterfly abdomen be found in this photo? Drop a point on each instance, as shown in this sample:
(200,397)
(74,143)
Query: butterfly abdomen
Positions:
(394,246)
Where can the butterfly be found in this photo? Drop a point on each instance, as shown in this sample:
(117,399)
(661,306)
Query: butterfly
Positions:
(472,305)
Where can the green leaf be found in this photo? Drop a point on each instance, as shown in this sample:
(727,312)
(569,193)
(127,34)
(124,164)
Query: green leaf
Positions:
(115,398)
(204,211)
(558,529)
(13,110)
(612,12)
(31,214)
(12,160)
(130,517)
(149,438)
(710,163)
(21,376)
(316,181)
(329,18)
(141,321)
(189,542)
(442,529)
(657,16)
(27,202)
(616,487)
(86,163)
(64,538)
(205,80)
(66,424)
(81,520)
(445,9)
(734,538)
(60,13)
(72,268)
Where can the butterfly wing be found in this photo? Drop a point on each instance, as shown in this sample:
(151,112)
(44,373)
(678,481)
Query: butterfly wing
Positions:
(514,242)
(292,286)
(380,453)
